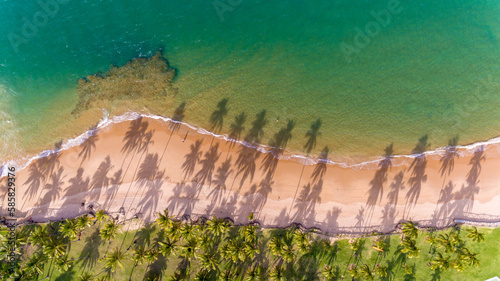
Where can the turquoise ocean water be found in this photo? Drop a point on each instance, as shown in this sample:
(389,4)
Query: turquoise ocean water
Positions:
(431,68)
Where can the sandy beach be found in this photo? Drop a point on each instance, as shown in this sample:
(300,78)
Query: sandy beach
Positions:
(144,166)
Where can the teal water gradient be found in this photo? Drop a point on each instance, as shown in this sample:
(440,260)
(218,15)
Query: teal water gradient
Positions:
(434,69)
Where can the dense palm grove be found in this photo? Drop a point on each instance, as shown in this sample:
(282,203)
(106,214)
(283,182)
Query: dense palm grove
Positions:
(216,250)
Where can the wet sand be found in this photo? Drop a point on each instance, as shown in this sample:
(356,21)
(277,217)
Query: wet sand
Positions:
(144,166)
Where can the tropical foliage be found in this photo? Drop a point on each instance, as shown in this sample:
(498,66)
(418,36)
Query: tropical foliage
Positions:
(216,250)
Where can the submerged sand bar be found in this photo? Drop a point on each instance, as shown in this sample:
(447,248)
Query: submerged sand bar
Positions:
(145,165)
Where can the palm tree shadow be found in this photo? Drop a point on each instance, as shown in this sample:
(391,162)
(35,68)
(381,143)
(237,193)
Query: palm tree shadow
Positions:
(389,211)
(332,217)
(191,159)
(48,164)
(256,132)
(208,165)
(111,192)
(418,176)
(312,136)
(245,163)
(376,191)
(448,159)
(100,178)
(35,179)
(88,146)
(179,115)
(446,197)
(148,170)
(150,181)
(134,135)
(54,187)
(90,252)
(468,191)
(237,127)
(217,116)
(301,203)
(278,144)
(322,165)
(77,184)
(223,172)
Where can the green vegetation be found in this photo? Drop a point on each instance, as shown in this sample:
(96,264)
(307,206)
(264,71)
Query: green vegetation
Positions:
(95,248)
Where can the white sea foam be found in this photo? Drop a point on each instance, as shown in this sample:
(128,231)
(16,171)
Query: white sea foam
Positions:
(397,160)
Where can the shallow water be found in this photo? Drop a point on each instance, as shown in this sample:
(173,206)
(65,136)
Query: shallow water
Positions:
(432,69)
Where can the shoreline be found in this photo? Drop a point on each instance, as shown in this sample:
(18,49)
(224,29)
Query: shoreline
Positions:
(402,159)
(204,176)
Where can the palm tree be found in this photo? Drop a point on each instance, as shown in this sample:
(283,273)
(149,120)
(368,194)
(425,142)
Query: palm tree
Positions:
(167,247)
(276,273)
(54,248)
(444,241)
(251,250)
(353,270)
(109,231)
(328,272)
(455,239)
(218,226)
(409,247)
(38,236)
(301,240)
(86,276)
(409,229)
(379,245)
(408,269)
(139,255)
(7,249)
(381,270)
(312,136)
(365,272)
(217,117)
(253,273)
(469,258)
(249,232)
(474,234)
(35,265)
(114,260)
(163,220)
(63,263)
(175,277)
(355,244)
(209,261)
(440,262)
(287,253)
(276,246)
(237,127)
(189,231)
(206,242)
(174,231)
(150,255)
(100,216)
(188,250)
(226,275)
(459,264)
(83,221)
(202,275)
(69,229)
(234,250)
